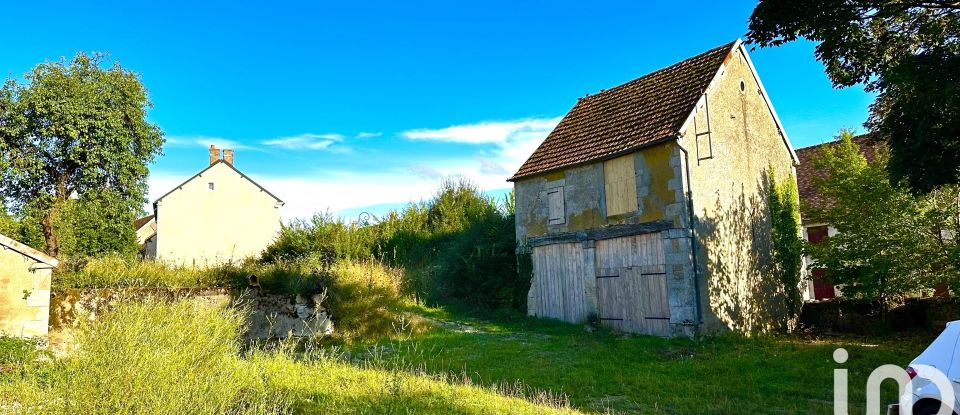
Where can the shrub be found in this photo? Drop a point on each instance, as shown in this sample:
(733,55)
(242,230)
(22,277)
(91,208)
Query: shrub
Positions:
(459,245)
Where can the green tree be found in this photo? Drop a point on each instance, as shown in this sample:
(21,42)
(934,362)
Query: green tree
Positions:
(889,241)
(8,223)
(92,225)
(908,51)
(74,129)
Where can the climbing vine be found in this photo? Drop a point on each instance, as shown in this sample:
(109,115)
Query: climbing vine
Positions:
(787,245)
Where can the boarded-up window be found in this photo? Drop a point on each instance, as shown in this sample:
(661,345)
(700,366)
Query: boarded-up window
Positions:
(555,203)
(620,185)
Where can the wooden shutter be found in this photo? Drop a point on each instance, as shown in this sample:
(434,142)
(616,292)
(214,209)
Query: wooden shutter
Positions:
(555,203)
(620,185)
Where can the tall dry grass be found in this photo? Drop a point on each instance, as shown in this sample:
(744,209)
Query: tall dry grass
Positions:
(184,358)
(152,358)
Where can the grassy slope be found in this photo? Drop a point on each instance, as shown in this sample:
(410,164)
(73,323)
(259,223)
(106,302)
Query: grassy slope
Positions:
(601,370)
(326,387)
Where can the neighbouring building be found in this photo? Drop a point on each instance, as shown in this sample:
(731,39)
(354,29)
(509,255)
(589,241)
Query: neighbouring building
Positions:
(647,206)
(817,286)
(24,289)
(217,216)
(146,230)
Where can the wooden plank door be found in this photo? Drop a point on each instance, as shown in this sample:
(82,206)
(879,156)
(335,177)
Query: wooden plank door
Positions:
(557,289)
(632,286)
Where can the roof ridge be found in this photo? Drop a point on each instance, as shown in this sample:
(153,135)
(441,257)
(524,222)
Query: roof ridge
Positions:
(687,61)
(856,139)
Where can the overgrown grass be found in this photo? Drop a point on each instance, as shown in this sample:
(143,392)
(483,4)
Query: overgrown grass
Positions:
(151,358)
(366,299)
(600,371)
(183,357)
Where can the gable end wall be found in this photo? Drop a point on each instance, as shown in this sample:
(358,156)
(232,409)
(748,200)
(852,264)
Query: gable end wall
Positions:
(732,219)
(199,227)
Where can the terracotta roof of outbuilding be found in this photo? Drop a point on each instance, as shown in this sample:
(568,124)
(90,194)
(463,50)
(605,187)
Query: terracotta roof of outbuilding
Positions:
(629,116)
(807,174)
(137,224)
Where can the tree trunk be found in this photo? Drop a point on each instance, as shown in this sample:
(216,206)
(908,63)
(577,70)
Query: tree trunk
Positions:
(49,233)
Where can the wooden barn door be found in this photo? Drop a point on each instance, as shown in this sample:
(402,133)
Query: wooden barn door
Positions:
(632,285)
(557,289)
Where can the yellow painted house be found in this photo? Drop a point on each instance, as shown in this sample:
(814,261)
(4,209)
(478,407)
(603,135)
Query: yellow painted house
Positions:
(24,289)
(217,216)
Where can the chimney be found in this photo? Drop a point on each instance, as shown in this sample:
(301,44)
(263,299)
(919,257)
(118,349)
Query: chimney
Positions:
(228,156)
(214,154)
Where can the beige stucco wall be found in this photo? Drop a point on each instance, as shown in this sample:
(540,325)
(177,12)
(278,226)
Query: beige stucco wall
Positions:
(19,316)
(199,227)
(738,289)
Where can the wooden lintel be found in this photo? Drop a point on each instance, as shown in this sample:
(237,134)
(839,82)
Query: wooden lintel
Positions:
(598,234)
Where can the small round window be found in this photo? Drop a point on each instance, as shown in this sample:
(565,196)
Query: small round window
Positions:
(743,86)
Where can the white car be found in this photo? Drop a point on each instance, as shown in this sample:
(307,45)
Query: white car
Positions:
(936,365)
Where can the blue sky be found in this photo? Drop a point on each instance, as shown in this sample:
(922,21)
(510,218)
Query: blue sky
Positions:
(363,105)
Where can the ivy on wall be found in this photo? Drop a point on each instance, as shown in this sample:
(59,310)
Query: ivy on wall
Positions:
(787,243)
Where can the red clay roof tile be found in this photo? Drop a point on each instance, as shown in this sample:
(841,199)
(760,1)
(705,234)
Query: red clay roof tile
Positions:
(642,111)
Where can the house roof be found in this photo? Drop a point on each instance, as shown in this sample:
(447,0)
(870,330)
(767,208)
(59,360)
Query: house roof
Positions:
(137,224)
(28,251)
(179,186)
(807,173)
(641,112)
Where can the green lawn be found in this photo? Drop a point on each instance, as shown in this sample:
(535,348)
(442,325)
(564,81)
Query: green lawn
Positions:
(184,355)
(602,370)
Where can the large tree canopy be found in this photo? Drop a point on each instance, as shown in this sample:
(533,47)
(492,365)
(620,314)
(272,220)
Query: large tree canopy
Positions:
(908,51)
(75,130)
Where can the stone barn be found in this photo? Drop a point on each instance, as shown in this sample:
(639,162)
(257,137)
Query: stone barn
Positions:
(24,289)
(646,207)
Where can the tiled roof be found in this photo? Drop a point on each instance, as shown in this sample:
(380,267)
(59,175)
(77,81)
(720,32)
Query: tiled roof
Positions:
(137,224)
(807,173)
(628,116)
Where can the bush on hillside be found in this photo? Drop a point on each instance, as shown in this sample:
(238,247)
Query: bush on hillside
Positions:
(459,245)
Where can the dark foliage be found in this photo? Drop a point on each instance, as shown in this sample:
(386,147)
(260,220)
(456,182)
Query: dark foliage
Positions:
(907,51)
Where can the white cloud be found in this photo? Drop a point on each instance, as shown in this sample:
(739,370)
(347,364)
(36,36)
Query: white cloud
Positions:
(512,143)
(490,167)
(330,191)
(365,134)
(425,172)
(305,141)
(206,141)
(487,132)
(494,151)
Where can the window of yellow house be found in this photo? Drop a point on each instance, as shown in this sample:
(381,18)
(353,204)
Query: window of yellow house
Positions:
(620,185)
(210,186)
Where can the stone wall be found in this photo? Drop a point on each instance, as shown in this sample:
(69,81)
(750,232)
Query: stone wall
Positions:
(269,316)
(735,148)
(24,295)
